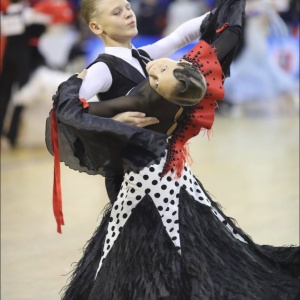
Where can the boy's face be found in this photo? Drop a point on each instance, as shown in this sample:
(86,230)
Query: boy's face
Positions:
(115,22)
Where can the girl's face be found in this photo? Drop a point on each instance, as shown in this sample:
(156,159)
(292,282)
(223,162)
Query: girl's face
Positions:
(162,79)
(161,76)
(115,22)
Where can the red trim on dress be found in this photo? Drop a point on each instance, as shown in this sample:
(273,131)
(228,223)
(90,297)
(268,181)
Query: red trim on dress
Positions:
(200,116)
(33,42)
(222,28)
(57,197)
(85,104)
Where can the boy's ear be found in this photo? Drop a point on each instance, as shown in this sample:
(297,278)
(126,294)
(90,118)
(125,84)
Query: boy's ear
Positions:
(95,28)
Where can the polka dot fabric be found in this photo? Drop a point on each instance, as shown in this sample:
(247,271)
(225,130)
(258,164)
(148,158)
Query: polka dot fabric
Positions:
(165,194)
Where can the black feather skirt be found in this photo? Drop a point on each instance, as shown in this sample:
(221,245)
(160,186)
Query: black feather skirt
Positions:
(165,238)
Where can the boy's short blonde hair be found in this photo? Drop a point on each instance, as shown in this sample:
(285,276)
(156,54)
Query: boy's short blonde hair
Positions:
(88,9)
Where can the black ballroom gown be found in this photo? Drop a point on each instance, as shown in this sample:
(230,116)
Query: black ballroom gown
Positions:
(163,237)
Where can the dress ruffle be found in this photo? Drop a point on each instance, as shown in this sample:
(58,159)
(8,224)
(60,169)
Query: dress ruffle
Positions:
(145,264)
(77,129)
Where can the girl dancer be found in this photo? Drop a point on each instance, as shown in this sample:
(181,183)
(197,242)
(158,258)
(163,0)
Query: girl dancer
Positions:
(164,237)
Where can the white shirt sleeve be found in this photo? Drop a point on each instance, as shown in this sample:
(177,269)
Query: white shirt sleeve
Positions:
(183,35)
(98,79)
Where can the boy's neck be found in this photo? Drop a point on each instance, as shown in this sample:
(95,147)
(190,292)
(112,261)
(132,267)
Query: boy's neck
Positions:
(112,43)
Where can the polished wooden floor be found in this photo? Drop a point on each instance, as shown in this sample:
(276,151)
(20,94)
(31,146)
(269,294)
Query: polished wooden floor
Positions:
(250,165)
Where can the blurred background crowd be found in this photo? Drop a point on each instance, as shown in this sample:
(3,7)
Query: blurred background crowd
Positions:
(43,42)
(250,163)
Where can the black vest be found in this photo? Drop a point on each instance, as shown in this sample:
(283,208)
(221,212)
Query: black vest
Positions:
(124,76)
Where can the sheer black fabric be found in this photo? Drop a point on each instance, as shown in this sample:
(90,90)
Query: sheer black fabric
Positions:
(142,98)
(97,145)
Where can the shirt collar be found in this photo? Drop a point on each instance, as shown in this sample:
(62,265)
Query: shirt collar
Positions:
(120,52)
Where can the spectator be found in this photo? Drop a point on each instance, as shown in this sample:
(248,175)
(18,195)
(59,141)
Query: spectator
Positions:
(16,26)
(180,11)
(151,17)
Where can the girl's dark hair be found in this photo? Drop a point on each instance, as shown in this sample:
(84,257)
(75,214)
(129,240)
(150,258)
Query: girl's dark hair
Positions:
(190,82)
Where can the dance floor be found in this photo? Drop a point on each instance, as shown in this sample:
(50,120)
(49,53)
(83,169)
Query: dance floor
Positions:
(249,165)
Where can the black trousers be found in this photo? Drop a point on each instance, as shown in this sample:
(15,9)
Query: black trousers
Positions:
(15,72)
(113,186)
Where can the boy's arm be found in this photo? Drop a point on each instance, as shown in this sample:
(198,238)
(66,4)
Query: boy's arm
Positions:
(98,79)
(183,35)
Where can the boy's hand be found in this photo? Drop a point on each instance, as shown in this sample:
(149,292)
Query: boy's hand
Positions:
(136,119)
(82,74)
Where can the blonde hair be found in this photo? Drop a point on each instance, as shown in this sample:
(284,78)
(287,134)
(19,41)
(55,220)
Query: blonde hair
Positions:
(88,9)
